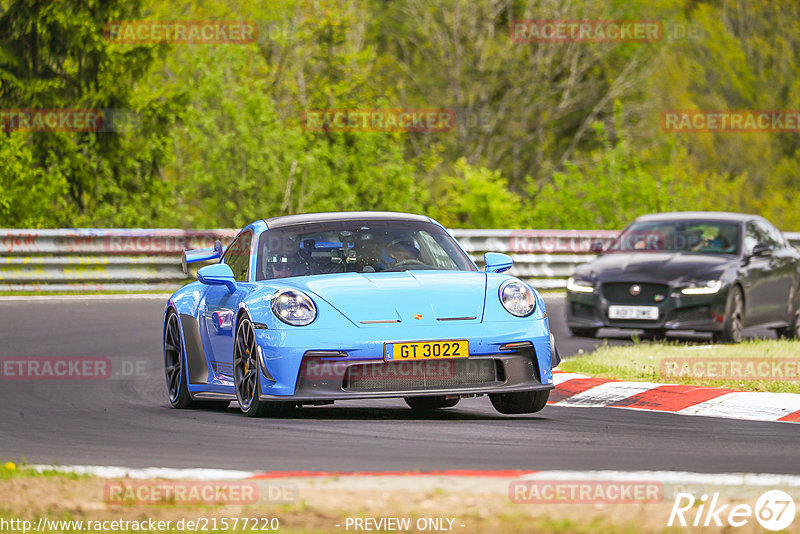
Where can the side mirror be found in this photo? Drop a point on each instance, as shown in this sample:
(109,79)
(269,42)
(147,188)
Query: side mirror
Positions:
(219,274)
(201,254)
(596,247)
(494,262)
(762,249)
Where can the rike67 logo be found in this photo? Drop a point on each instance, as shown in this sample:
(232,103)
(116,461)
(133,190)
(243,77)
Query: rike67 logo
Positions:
(774,510)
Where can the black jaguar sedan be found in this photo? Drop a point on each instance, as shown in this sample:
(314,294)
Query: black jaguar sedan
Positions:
(700,271)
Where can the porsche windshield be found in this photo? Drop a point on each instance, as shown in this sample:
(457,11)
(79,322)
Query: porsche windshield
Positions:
(704,237)
(357,246)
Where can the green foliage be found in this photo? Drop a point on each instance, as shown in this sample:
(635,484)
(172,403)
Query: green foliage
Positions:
(617,183)
(558,135)
(29,198)
(476,197)
(53,55)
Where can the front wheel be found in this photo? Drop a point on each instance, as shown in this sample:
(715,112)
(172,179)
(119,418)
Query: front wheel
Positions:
(425,404)
(793,330)
(247,375)
(733,327)
(522,402)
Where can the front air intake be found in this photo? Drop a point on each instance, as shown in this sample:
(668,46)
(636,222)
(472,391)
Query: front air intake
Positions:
(430,374)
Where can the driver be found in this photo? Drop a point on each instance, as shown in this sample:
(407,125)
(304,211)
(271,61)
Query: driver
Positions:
(725,241)
(400,250)
(286,265)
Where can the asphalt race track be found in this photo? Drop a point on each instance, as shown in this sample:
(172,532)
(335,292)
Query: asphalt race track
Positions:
(126,420)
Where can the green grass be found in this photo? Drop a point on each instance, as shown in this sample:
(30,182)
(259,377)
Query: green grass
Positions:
(13,469)
(665,363)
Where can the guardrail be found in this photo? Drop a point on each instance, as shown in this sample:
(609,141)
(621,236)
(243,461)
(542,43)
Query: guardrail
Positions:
(150,259)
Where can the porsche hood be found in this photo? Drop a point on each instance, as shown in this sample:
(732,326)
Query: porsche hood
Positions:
(429,297)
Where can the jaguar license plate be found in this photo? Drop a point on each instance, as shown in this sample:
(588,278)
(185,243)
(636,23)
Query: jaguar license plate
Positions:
(633,312)
(425,350)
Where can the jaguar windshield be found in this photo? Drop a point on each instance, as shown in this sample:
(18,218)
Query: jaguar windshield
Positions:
(704,237)
(357,246)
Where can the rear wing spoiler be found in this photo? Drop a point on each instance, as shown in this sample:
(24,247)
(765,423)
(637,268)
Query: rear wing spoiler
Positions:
(201,254)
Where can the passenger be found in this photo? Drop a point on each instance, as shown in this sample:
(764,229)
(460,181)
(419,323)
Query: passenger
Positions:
(286,265)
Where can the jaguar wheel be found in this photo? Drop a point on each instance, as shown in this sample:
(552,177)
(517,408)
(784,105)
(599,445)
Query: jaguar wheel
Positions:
(733,327)
(425,404)
(793,330)
(247,375)
(177,389)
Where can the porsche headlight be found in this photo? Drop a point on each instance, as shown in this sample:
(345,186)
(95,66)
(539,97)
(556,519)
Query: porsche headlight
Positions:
(294,307)
(517,298)
(707,287)
(576,285)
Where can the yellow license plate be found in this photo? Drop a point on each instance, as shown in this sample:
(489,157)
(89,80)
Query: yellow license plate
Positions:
(425,350)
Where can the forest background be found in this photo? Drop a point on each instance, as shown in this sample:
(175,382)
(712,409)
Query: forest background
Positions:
(548,134)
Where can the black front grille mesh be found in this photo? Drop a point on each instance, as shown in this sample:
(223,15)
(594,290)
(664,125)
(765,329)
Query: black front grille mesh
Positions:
(401,376)
(649,294)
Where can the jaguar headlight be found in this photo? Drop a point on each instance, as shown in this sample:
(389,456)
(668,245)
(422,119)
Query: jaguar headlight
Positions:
(707,287)
(576,285)
(294,307)
(517,298)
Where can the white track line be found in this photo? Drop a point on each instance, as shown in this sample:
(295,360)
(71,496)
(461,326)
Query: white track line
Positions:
(608,393)
(148,472)
(742,405)
(665,477)
(560,378)
(757,406)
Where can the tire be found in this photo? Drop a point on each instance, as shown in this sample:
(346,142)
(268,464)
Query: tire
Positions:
(247,375)
(793,330)
(583,332)
(174,361)
(177,390)
(523,402)
(733,327)
(426,404)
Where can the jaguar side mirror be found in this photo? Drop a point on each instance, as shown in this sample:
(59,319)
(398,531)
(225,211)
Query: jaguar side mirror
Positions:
(762,249)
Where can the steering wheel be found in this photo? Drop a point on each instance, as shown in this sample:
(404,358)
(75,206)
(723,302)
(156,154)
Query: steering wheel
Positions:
(405,263)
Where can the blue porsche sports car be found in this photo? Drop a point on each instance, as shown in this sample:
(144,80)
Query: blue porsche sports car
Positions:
(310,309)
